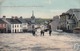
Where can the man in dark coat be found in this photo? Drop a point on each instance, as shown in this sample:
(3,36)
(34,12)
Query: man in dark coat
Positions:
(33,30)
(50,30)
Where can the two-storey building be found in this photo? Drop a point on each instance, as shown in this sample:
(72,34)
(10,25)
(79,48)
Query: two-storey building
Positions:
(13,24)
(2,26)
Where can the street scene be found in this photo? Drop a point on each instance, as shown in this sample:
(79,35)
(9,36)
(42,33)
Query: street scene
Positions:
(39,25)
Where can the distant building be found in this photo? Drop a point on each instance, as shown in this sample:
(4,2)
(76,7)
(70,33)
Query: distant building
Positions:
(76,17)
(14,25)
(67,22)
(70,20)
(32,22)
(33,18)
(55,23)
(24,24)
(2,26)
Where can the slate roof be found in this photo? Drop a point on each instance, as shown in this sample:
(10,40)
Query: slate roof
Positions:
(28,21)
(1,21)
(13,21)
(24,20)
(76,12)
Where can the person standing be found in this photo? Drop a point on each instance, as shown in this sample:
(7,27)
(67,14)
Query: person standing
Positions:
(50,30)
(42,30)
(33,30)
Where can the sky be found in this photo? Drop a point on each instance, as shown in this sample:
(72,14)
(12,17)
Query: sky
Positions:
(41,8)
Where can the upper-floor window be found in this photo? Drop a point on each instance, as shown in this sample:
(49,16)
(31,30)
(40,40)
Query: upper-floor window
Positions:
(17,25)
(13,26)
(20,25)
(68,17)
(24,24)
(0,25)
(3,25)
(67,22)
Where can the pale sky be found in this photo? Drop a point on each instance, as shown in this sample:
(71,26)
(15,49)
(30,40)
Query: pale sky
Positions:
(42,8)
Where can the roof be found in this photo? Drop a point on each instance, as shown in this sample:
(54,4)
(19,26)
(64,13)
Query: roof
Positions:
(28,21)
(13,21)
(23,20)
(76,13)
(1,21)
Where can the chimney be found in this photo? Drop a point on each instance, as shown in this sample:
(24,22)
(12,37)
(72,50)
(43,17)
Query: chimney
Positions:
(4,17)
(16,17)
(21,17)
(13,17)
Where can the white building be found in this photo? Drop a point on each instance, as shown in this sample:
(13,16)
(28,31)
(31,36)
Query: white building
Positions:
(55,23)
(13,25)
(16,28)
(24,24)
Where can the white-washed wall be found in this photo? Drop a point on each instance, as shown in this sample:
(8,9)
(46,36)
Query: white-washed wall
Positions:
(16,28)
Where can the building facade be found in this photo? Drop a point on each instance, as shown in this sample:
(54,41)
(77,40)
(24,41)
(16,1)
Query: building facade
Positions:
(13,25)
(24,24)
(3,26)
(55,23)
(70,20)
(76,16)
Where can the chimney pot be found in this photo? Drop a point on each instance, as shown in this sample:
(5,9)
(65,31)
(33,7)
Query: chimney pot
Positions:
(20,16)
(4,17)
(13,17)
(16,17)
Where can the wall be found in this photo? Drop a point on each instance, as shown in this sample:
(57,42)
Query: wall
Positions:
(55,23)
(15,28)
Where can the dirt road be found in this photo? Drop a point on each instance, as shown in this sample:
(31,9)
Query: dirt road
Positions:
(27,42)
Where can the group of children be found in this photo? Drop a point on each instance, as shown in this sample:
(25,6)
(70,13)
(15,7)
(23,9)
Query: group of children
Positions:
(43,29)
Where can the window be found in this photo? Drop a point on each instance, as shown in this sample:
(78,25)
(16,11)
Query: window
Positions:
(68,27)
(24,23)
(20,25)
(13,26)
(68,17)
(67,22)
(17,25)
(3,25)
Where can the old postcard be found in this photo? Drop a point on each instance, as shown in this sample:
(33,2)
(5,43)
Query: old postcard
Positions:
(39,25)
